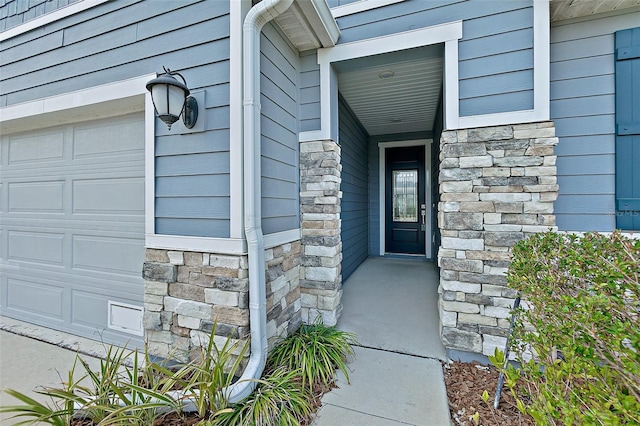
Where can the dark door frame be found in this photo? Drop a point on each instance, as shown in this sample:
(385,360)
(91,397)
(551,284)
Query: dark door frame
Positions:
(382,147)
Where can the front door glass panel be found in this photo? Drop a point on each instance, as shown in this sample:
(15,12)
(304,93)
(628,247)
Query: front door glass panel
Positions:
(405,195)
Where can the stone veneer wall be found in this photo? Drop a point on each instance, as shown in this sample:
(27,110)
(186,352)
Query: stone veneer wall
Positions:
(186,292)
(320,196)
(497,186)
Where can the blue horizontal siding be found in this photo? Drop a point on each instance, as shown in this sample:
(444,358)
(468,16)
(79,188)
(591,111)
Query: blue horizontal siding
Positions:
(495,53)
(582,107)
(309,92)
(120,40)
(355,190)
(279,66)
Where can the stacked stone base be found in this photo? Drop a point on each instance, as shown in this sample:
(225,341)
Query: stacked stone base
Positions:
(186,293)
(497,186)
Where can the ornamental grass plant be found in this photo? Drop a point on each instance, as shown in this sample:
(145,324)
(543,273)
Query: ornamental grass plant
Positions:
(126,391)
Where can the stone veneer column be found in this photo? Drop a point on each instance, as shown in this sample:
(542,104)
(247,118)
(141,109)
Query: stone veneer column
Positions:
(186,292)
(497,186)
(321,279)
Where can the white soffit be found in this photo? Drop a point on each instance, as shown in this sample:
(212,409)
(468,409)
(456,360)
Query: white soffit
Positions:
(406,101)
(309,25)
(568,9)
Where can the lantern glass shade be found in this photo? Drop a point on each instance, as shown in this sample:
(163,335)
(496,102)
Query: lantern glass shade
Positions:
(169,102)
(168,96)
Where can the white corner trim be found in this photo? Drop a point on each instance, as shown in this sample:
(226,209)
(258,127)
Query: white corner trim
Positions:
(149,165)
(200,244)
(541,60)
(382,170)
(280,238)
(451,96)
(238,10)
(360,6)
(50,17)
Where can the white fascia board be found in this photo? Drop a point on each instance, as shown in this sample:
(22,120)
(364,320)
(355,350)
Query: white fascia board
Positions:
(360,6)
(280,238)
(80,98)
(391,43)
(108,100)
(233,246)
(50,17)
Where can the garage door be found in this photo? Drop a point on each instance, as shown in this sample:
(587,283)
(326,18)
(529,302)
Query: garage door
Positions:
(72,228)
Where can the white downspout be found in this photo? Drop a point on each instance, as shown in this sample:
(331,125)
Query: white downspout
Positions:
(257,17)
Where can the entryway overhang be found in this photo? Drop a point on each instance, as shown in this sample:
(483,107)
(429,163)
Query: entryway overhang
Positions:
(309,25)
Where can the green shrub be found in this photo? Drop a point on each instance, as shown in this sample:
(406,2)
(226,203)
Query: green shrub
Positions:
(582,326)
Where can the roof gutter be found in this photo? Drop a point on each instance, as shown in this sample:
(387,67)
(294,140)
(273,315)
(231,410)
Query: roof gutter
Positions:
(257,17)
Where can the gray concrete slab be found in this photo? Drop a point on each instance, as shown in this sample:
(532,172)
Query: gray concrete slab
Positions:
(392,304)
(27,364)
(387,388)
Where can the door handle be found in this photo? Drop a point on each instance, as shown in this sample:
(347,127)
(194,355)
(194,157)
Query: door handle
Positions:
(423,212)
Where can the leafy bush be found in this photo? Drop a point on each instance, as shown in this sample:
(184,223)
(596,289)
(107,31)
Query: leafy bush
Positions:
(582,327)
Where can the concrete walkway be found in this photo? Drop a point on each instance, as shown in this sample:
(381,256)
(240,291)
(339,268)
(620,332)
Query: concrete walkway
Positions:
(396,376)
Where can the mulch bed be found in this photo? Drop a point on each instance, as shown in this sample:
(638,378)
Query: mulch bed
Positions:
(465,385)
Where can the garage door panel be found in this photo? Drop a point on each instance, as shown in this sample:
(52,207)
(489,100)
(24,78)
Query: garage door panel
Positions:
(103,140)
(35,297)
(36,148)
(72,226)
(88,309)
(107,254)
(36,247)
(37,197)
(108,196)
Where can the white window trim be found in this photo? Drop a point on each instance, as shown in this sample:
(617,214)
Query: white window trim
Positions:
(50,17)
(360,6)
(382,147)
(449,34)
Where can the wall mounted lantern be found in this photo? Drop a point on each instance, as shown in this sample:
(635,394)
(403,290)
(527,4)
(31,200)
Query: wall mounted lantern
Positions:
(171,99)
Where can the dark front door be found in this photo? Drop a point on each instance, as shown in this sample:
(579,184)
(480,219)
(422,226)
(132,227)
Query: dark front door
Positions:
(405,209)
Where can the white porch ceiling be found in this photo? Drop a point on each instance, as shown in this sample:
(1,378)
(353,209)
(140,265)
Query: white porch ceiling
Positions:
(405,101)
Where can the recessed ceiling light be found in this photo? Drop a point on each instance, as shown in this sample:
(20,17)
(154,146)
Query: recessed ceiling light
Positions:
(386,74)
